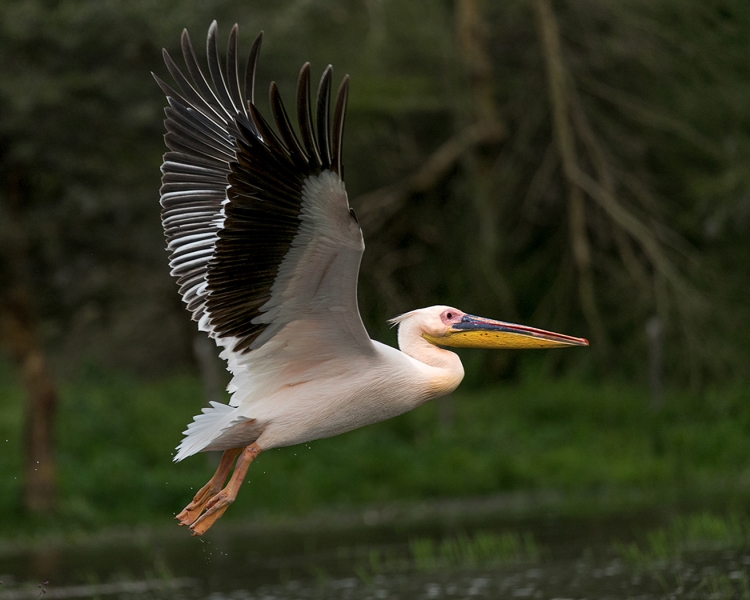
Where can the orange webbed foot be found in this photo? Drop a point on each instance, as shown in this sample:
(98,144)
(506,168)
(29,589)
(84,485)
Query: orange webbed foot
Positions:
(192,511)
(215,508)
(215,504)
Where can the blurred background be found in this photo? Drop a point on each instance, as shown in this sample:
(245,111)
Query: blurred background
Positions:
(577,165)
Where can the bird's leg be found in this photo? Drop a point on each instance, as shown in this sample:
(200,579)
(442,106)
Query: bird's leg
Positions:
(221,501)
(190,513)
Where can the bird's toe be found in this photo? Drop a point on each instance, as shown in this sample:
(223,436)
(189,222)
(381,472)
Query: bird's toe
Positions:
(189,514)
(193,510)
(215,508)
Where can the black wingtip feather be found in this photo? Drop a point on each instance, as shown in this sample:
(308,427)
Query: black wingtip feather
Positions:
(275,145)
(233,78)
(215,70)
(304,116)
(323,123)
(285,128)
(196,74)
(250,67)
(165,87)
(339,114)
(191,95)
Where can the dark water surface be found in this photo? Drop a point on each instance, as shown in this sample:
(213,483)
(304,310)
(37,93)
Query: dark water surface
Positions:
(570,558)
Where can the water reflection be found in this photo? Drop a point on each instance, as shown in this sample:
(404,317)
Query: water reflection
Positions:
(701,557)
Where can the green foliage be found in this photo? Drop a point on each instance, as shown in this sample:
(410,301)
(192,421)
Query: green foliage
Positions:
(696,532)
(116,435)
(663,85)
(668,553)
(10,440)
(483,549)
(719,586)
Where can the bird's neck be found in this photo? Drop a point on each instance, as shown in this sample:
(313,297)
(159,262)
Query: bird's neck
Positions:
(450,371)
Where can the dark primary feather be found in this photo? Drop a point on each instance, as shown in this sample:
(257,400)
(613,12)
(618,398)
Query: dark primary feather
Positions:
(338,127)
(304,116)
(233,77)
(214,68)
(323,112)
(284,126)
(250,66)
(225,155)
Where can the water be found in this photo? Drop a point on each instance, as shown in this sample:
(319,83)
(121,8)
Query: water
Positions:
(472,557)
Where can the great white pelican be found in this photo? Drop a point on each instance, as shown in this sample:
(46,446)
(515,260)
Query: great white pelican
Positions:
(266,252)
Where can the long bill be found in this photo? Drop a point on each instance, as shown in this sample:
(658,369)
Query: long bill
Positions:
(478,332)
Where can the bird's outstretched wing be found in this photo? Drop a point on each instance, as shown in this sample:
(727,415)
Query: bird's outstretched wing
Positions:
(257,222)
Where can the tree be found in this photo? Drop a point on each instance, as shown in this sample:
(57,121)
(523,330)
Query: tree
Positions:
(18,333)
(584,180)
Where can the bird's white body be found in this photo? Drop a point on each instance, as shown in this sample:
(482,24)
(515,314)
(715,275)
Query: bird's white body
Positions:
(321,399)
(318,374)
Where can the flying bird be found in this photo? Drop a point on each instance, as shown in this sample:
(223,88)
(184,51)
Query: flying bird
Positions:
(266,251)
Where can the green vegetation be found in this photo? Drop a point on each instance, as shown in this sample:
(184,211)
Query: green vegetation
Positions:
(586,440)
(666,554)
(691,533)
(463,551)
(719,585)
(483,549)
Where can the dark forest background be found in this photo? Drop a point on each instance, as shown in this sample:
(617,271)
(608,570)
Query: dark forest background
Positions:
(577,165)
(586,185)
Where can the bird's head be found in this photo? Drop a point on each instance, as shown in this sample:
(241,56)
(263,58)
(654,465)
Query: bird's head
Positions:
(447,326)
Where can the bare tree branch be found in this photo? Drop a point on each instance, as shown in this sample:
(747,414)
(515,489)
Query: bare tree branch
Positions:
(650,118)
(603,161)
(549,36)
(375,208)
(635,228)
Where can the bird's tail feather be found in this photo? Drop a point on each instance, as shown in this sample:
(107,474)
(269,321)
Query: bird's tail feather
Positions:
(204,428)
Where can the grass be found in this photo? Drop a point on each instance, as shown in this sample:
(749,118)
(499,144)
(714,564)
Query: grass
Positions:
(483,549)
(690,533)
(718,586)
(116,436)
(690,555)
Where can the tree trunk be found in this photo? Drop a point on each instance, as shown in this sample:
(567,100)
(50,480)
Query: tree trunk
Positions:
(481,164)
(18,333)
(471,36)
(558,83)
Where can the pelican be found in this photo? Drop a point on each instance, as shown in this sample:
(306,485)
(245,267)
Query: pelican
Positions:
(266,251)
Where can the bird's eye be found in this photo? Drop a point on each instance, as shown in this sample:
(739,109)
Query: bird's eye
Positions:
(448,317)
